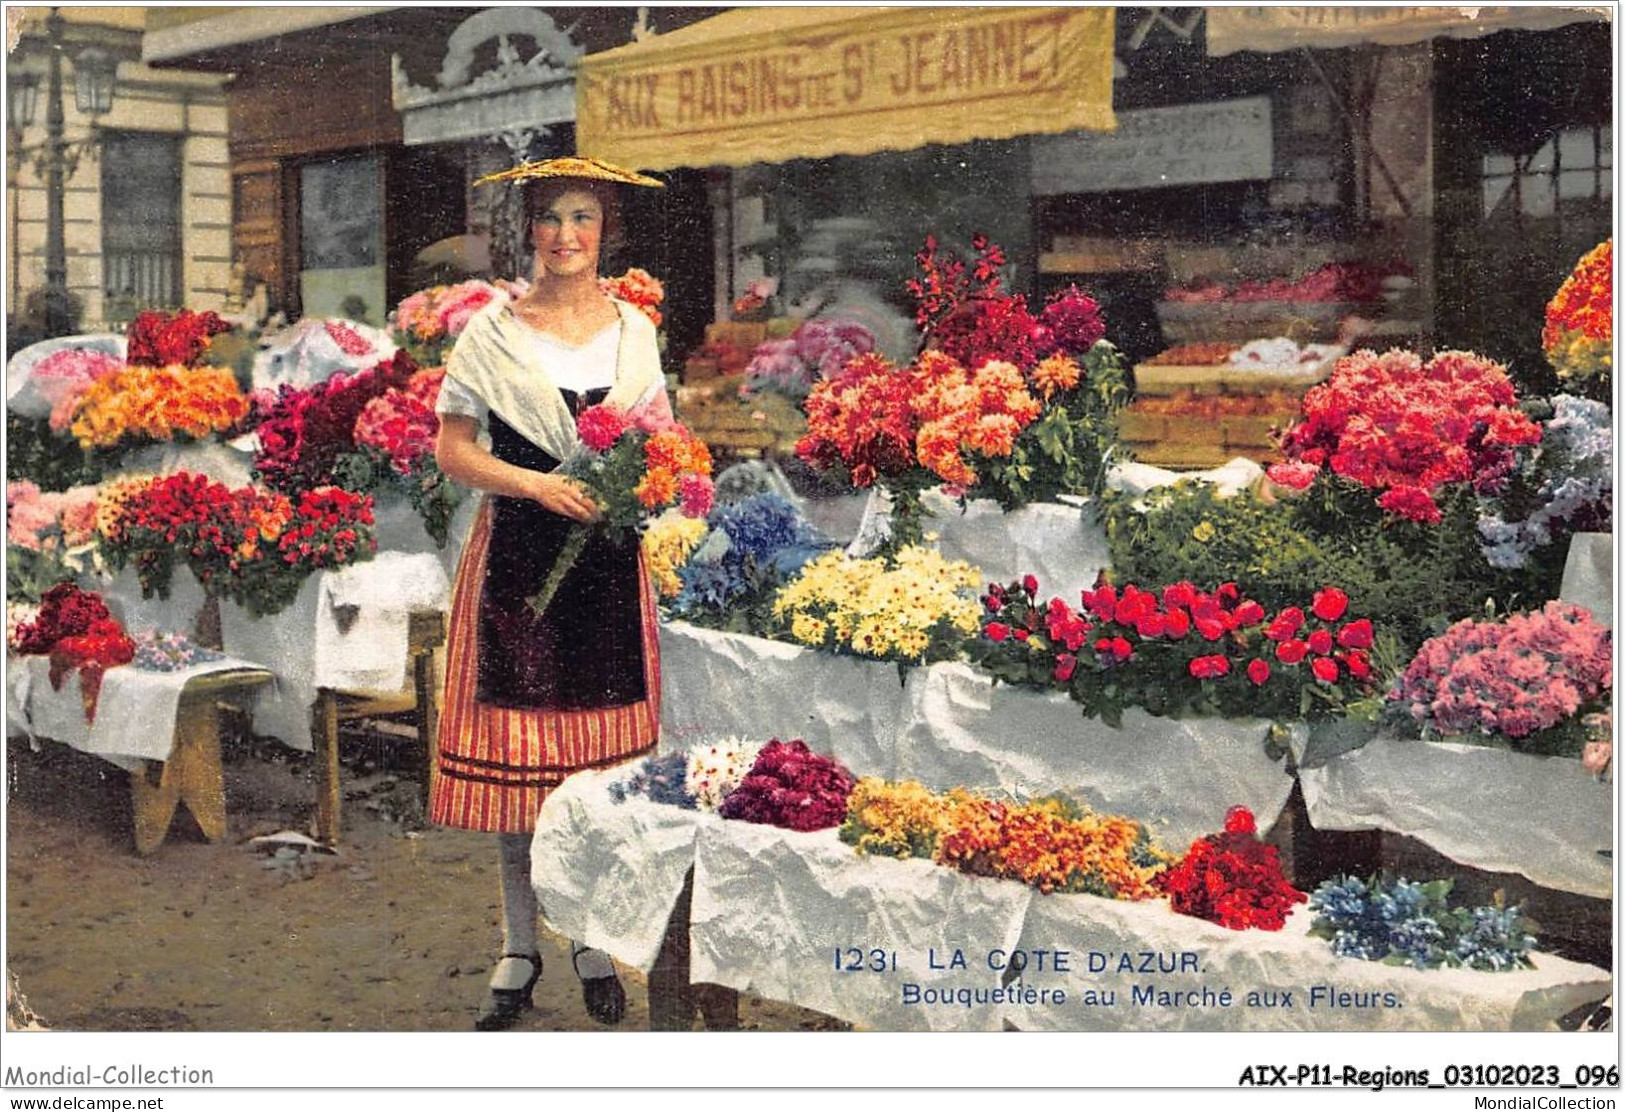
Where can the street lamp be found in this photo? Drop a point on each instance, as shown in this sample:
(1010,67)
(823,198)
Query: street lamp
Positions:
(56,160)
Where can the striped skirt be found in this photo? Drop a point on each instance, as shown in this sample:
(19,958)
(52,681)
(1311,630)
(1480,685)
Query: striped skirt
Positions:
(496,764)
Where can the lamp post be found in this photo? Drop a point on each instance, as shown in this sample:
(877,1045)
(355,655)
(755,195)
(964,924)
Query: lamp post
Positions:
(56,160)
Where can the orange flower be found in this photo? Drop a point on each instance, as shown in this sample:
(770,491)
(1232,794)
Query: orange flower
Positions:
(1058,373)
(993,434)
(657,488)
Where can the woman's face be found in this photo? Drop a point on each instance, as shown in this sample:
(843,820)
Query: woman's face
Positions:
(568,235)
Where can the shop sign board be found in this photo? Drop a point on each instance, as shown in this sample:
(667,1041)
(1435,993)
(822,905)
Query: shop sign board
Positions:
(1187,144)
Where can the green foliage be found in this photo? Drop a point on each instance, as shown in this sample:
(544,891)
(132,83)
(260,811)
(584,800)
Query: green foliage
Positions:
(1065,450)
(431,494)
(51,461)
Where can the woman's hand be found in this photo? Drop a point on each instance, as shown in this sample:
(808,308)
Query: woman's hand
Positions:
(562,496)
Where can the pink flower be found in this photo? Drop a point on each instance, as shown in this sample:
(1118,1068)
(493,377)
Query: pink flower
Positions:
(1294,474)
(1249,613)
(696,492)
(1411,503)
(601,426)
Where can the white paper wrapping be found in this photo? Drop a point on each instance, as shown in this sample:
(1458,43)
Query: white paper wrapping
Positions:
(1062,544)
(1178,776)
(214,459)
(346,630)
(1101,933)
(720,684)
(135,711)
(608,874)
(1544,818)
(305,353)
(22,396)
(399,528)
(176,614)
(1588,576)
(1137,478)
(771,908)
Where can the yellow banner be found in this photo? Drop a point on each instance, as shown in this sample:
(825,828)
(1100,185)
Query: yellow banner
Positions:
(1270,29)
(770,84)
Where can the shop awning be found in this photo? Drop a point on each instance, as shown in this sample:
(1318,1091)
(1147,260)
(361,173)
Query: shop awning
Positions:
(1273,29)
(770,84)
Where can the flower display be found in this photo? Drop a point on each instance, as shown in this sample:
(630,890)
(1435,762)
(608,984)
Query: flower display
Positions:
(1524,681)
(179,339)
(634,464)
(1401,922)
(1232,879)
(1408,429)
(170,652)
(51,536)
(640,289)
(714,771)
(427,322)
(303,432)
(1070,324)
(903,819)
(667,544)
(1178,649)
(1054,847)
(661,778)
(252,546)
(1579,334)
(62,377)
(401,423)
(146,403)
(755,545)
(791,786)
(914,612)
(79,634)
(1568,488)
(817,350)
(1598,755)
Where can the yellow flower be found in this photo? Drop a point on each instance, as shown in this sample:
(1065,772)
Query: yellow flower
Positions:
(667,545)
(809,630)
(1204,531)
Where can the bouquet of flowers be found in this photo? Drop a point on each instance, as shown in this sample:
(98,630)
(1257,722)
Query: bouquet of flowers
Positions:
(1054,847)
(791,786)
(50,536)
(1400,922)
(817,350)
(255,547)
(1178,649)
(139,402)
(1569,487)
(1232,879)
(62,377)
(755,545)
(1579,333)
(634,464)
(78,632)
(662,778)
(915,612)
(667,544)
(304,432)
(179,339)
(428,322)
(640,289)
(1408,429)
(1526,681)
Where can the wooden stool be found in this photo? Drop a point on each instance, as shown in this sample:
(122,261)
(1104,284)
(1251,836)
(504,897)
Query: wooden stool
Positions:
(192,775)
(426,633)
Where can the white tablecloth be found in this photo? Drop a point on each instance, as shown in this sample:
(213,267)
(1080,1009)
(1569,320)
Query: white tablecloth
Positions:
(135,711)
(347,630)
(1544,818)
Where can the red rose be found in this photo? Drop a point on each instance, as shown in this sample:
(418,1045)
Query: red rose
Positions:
(1239,820)
(1210,667)
(1258,671)
(1325,670)
(1291,652)
(1320,643)
(1249,613)
(1179,594)
(1030,584)
(1022,635)
(1065,665)
(1210,628)
(1286,624)
(1176,623)
(1151,625)
(997,630)
(1330,604)
(1358,664)
(1355,635)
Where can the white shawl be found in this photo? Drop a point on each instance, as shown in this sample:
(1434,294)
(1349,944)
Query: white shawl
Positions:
(496,359)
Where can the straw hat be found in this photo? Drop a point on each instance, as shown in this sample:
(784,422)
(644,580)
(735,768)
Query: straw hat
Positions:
(572,166)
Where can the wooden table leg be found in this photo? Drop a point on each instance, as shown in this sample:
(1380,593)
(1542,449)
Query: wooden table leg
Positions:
(428,724)
(324,728)
(193,775)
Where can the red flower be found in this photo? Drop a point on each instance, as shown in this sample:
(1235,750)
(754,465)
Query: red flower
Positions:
(1291,652)
(1258,671)
(1029,584)
(1022,635)
(1239,820)
(1249,613)
(997,630)
(1210,628)
(1358,664)
(1151,625)
(1175,624)
(1330,604)
(1210,667)
(601,426)
(1320,643)
(1065,665)
(1179,594)
(1325,669)
(1356,635)
(1286,624)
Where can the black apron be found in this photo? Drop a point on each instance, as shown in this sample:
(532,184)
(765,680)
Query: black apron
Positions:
(586,651)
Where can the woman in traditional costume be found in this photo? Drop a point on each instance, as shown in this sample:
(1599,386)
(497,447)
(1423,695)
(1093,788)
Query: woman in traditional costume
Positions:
(530,698)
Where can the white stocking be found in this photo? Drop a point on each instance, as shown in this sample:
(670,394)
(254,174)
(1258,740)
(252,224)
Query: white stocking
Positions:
(519,911)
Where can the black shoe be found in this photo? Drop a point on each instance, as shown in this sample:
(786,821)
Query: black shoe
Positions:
(604,997)
(504,1005)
